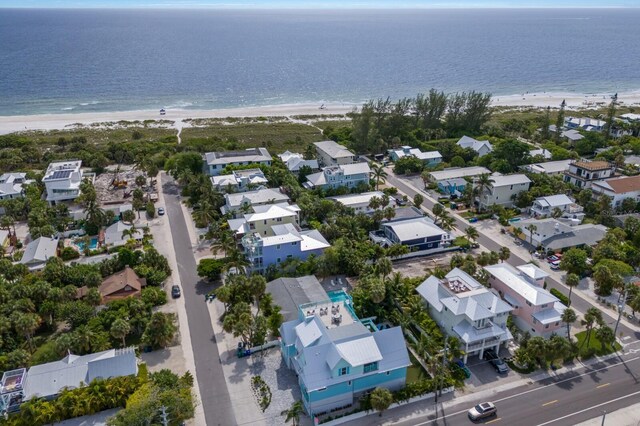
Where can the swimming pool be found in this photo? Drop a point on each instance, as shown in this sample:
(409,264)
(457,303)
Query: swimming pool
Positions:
(93,244)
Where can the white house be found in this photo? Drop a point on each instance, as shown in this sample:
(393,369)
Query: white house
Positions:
(545,206)
(545,153)
(38,252)
(430,158)
(619,189)
(548,167)
(466,309)
(331,153)
(239,180)
(264,217)
(244,201)
(347,175)
(295,162)
(217,161)
(62,181)
(360,202)
(457,173)
(417,233)
(583,173)
(11,187)
(503,189)
(481,147)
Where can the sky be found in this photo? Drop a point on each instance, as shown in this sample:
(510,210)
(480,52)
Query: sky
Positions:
(313,4)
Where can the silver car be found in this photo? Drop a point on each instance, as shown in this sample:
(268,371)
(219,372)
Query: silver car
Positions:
(482,411)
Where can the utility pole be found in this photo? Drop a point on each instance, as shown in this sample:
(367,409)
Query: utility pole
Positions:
(620,310)
(444,359)
(604,414)
(164,416)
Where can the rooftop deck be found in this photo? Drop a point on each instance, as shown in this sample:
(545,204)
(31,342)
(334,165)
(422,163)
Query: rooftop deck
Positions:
(334,312)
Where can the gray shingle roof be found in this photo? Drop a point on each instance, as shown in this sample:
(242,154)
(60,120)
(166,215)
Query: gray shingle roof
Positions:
(38,251)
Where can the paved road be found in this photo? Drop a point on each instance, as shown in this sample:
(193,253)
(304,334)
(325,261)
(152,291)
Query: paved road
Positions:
(577,301)
(566,400)
(213,387)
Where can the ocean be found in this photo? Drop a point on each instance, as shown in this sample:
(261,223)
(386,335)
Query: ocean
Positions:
(61,61)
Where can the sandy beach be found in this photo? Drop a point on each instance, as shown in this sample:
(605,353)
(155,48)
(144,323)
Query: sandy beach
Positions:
(17,123)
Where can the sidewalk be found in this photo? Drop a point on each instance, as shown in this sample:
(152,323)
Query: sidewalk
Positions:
(628,416)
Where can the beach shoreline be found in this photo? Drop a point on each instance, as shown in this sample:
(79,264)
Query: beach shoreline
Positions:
(45,122)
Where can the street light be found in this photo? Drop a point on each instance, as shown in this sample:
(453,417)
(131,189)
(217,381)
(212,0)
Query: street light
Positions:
(620,309)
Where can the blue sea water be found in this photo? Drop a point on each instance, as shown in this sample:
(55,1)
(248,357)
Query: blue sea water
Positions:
(56,61)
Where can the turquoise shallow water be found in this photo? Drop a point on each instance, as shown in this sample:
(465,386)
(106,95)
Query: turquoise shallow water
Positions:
(57,61)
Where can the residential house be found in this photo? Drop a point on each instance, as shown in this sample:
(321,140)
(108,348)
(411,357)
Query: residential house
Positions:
(239,181)
(572,135)
(11,186)
(360,202)
(295,162)
(245,201)
(548,167)
(552,234)
(430,158)
(337,357)
(38,251)
(632,160)
(467,310)
(73,371)
(546,206)
(503,189)
(264,217)
(121,285)
(290,293)
(481,147)
(331,153)
(588,124)
(544,153)
(62,181)
(618,189)
(452,186)
(347,175)
(217,161)
(457,173)
(285,242)
(583,173)
(416,233)
(117,234)
(535,310)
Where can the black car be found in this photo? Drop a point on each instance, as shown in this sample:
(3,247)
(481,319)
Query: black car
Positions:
(497,362)
(175,291)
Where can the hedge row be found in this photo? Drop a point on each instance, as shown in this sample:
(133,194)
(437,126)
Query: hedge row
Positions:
(563,299)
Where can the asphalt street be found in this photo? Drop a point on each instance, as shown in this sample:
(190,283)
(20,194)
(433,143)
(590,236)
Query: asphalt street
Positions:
(577,301)
(213,387)
(564,400)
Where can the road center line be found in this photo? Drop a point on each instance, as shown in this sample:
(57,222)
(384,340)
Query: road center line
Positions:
(590,408)
(536,389)
(603,386)
(550,402)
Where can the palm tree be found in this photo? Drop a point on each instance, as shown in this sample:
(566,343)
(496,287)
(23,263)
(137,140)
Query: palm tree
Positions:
(120,329)
(236,260)
(571,280)
(569,317)
(483,182)
(293,413)
(532,229)
(634,303)
(384,266)
(224,243)
(379,174)
(591,317)
(605,334)
(504,254)
(471,233)
(204,214)
(7,222)
(26,324)
(537,347)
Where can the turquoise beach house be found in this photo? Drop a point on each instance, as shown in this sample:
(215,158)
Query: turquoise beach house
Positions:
(338,357)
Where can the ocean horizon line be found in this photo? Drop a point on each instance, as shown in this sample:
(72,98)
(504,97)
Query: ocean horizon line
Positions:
(327,8)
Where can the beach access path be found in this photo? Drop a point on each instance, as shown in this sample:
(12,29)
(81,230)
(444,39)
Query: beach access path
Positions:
(214,396)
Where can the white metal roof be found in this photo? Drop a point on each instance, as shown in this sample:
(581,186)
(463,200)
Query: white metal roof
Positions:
(255,197)
(334,149)
(359,352)
(554,200)
(272,211)
(251,155)
(411,229)
(459,172)
(513,279)
(38,251)
(308,331)
(505,180)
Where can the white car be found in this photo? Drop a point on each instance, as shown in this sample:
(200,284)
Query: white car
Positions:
(482,411)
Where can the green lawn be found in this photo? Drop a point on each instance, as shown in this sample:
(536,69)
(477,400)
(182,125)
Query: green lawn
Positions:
(594,344)
(415,372)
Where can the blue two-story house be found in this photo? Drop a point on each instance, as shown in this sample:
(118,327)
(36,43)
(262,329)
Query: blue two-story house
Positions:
(338,357)
(418,233)
(453,186)
(345,175)
(286,242)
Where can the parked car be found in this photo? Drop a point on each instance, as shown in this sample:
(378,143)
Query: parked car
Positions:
(464,368)
(175,291)
(161,211)
(482,411)
(552,259)
(497,362)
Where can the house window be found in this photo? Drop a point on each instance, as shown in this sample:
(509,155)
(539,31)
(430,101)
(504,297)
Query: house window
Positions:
(545,305)
(535,321)
(343,371)
(388,372)
(372,366)
(528,303)
(279,219)
(295,243)
(278,260)
(557,323)
(546,326)
(278,247)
